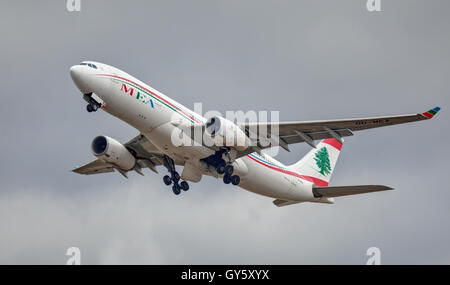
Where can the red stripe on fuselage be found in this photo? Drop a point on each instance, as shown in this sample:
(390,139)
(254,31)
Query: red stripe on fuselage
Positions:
(334,143)
(317,181)
(154,94)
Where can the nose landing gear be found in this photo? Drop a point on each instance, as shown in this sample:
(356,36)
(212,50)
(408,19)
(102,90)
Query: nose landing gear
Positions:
(92,105)
(91,108)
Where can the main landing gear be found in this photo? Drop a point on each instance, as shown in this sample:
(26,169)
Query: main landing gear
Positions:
(174,178)
(222,167)
(227,170)
(228,176)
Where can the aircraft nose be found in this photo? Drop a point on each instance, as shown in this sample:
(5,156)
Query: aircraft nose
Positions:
(76,73)
(79,77)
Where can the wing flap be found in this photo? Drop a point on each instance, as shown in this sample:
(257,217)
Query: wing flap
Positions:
(291,139)
(338,191)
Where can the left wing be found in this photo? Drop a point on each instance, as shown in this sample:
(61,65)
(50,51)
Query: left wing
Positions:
(147,155)
(94,167)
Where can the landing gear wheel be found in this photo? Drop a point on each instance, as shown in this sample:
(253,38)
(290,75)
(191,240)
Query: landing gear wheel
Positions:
(94,107)
(229,169)
(175,177)
(221,168)
(235,179)
(184,186)
(176,189)
(167,180)
(226,179)
(89,108)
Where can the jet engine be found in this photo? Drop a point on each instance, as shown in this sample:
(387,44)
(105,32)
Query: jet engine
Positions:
(112,151)
(226,133)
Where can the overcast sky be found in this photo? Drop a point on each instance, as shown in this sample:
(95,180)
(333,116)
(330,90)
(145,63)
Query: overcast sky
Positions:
(309,60)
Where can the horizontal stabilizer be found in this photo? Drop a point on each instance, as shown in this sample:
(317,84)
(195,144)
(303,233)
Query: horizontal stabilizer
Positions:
(337,191)
(282,203)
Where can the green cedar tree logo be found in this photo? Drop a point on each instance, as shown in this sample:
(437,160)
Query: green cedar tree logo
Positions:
(323,161)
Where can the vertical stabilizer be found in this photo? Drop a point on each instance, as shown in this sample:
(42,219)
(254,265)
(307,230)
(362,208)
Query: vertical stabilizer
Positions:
(320,162)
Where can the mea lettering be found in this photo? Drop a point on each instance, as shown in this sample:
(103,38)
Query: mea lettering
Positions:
(246,274)
(144,98)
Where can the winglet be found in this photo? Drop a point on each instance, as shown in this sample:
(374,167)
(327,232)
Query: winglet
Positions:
(430,113)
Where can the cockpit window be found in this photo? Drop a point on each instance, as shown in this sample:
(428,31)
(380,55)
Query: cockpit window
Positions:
(89,64)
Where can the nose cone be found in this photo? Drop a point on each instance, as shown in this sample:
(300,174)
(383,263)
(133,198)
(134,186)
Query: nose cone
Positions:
(80,78)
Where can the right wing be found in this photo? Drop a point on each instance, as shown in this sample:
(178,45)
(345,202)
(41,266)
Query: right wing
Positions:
(308,131)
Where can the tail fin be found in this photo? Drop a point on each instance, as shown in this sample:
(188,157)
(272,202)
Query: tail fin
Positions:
(319,163)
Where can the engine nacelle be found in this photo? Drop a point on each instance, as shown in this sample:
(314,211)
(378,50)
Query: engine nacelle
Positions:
(112,151)
(226,133)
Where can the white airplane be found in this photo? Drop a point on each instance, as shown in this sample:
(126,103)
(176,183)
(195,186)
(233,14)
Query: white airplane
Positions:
(157,117)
